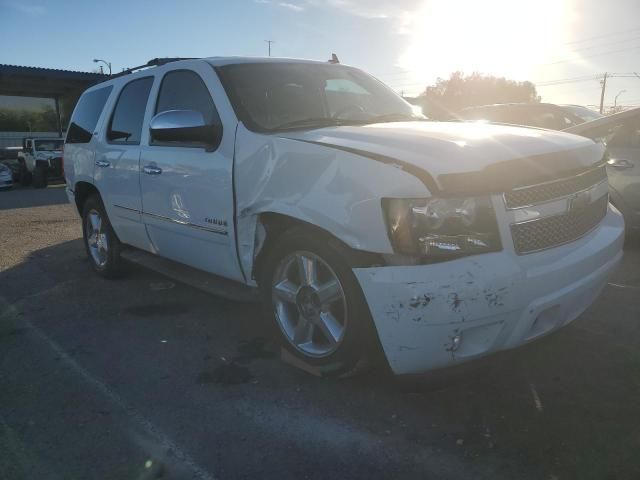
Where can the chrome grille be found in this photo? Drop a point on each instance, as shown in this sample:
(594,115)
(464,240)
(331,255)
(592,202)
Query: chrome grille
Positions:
(533,195)
(548,232)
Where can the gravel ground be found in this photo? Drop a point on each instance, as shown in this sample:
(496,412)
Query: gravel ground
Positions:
(147,378)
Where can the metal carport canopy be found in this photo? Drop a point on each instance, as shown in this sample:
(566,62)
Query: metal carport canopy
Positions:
(39,82)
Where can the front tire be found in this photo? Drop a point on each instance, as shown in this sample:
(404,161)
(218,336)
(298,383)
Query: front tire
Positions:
(315,304)
(25,175)
(40,177)
(100,241)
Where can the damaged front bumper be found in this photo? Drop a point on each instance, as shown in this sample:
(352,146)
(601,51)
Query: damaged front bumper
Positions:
(438,315)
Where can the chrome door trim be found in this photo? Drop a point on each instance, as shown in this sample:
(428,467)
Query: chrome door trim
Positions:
(219,231)
(127,208)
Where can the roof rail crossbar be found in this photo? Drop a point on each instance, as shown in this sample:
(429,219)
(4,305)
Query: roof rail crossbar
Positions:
(154,62)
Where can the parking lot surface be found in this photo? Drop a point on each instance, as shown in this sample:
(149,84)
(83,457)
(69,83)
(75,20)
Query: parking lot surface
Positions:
(144,377)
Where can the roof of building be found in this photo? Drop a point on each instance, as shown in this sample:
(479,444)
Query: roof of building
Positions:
(27,81)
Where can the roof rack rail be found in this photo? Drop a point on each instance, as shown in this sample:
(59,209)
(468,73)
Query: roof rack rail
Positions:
(154,62)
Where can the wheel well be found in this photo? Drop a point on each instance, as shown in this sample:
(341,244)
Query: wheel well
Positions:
(83,191)
(275,224)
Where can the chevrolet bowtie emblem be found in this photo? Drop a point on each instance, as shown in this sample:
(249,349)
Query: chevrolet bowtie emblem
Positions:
(580,200)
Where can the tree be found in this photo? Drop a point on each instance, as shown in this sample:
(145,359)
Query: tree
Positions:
(448,96)
(16,120)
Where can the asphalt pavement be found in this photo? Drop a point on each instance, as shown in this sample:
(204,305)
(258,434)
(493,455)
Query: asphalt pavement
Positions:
(144,377)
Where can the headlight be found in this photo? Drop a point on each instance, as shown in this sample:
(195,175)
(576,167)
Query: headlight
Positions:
(439,228)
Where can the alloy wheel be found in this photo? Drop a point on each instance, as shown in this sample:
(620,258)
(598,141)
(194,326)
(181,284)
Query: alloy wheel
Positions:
(309,303)
(97,238)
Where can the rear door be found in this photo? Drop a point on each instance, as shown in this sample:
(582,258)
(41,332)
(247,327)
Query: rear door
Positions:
(82,136)
(118,162)
(187,189)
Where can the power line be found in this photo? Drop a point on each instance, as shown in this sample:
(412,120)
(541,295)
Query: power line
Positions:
(617,42)
(561,81)
(602,36)
(611,52)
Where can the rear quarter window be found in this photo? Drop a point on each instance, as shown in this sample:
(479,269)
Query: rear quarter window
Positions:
(86,115)
(126,122)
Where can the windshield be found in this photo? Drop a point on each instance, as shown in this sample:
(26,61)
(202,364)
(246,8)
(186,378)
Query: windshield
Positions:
(48,145)
(584,113)
(281,96)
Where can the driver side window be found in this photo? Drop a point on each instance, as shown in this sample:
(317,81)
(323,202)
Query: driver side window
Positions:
(185,90)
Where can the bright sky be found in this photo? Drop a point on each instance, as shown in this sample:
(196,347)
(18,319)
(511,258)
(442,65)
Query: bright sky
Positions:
(406,43)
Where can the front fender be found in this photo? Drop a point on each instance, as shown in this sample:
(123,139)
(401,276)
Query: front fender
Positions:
(337,191)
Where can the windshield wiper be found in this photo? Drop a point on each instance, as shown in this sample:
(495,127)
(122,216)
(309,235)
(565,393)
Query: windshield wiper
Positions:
(315,123)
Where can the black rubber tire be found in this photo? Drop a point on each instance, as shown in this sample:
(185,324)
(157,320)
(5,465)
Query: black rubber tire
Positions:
(113,266)
(40,177)
(360,347)
(25,175)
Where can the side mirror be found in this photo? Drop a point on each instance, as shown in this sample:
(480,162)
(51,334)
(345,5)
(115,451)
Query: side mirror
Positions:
(184,127)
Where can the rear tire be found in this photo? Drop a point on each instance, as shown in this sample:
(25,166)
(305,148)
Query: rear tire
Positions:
(322,319)
(24,175)
(100,241)
(40,177)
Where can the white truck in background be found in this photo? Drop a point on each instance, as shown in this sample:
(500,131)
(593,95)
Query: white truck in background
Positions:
(40,160)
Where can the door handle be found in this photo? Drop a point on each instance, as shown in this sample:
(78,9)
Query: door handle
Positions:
(103,163)
(620,163)
(151,170)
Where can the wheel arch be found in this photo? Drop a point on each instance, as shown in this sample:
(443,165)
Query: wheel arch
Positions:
(270,225)
(82,191)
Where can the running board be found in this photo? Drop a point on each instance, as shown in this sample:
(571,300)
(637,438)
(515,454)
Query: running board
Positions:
(193,277)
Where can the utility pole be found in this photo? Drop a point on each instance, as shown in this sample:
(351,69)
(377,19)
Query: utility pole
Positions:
(604,86)
(269,42)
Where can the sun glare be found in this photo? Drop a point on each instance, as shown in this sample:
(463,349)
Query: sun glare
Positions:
(498,37)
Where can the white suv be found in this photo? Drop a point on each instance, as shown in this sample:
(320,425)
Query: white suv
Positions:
(364,227)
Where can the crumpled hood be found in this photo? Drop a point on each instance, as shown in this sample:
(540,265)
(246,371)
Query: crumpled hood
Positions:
(463,156)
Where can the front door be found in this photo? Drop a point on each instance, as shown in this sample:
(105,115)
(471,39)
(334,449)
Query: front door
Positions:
(187,192)
(117,160)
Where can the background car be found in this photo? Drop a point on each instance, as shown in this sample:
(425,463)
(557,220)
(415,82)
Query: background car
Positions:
(6,177)
(621,134)
(542,115)
(9,157)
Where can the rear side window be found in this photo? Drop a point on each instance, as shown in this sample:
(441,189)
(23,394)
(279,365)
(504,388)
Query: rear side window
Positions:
(86,114)
(185,90)
(126,123)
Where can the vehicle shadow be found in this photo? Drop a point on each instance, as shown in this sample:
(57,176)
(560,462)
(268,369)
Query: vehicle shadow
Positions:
(538,412)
